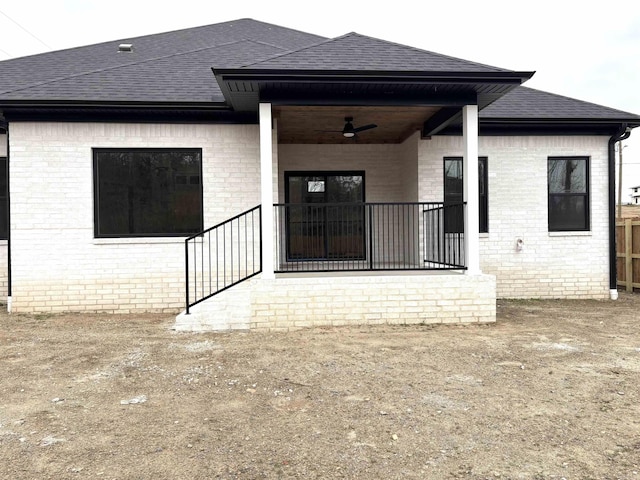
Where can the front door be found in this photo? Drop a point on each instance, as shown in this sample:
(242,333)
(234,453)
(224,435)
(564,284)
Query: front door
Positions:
(325,215)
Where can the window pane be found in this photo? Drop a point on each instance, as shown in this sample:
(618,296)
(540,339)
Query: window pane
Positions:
(567,212)
(482,176)
(453,194)
(148,192)
(568,175)
(453,177)
(344,188)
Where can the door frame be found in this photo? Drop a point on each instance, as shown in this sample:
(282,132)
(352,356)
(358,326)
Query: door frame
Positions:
(322,173)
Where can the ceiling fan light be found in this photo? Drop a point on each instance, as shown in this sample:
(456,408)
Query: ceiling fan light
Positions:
(348,134)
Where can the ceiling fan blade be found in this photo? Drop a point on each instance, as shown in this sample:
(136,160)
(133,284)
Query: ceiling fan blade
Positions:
(364,127)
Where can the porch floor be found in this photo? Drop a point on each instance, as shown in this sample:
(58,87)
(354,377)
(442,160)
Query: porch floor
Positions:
(362,266)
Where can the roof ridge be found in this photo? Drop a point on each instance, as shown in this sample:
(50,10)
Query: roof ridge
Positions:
(356,34)
(140,62)
(431,52)
(138,37)
(289,52)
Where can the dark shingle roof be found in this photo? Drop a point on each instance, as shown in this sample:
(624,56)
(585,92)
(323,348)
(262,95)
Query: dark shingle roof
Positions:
(96,71)
(181,77)
(528,103)
(176,67)
(357,52)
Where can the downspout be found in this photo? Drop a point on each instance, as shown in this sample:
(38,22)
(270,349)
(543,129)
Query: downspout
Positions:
(622,134)
(9,282)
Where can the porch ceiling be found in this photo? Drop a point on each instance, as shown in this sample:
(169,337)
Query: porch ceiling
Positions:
(323,124)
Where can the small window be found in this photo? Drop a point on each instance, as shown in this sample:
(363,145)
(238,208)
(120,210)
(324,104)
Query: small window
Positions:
(147,192)
(453,195)
(568,179)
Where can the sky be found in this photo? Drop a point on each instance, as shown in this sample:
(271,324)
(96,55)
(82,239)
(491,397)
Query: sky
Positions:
(585,50)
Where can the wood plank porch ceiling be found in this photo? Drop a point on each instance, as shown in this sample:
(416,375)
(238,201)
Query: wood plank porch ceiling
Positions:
(323,124)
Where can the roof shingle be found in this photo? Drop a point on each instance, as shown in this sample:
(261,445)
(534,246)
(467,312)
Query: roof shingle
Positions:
(361,53)
(59,75)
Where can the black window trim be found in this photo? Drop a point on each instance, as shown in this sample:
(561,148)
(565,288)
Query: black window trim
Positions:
(323,173)
(586,194)
(96,215)
(481,200)
(326,174)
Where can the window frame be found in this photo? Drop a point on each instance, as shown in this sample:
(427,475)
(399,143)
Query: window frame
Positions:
(96,191)
(483,198)
(325,175)
(586,194)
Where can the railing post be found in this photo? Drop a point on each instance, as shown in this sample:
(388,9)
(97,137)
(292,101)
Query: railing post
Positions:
(186,273)
(370,237)
(628,261)
(260,233)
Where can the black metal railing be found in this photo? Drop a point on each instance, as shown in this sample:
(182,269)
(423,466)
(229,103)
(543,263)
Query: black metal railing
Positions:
(223,256)
(444,235)
(365,236)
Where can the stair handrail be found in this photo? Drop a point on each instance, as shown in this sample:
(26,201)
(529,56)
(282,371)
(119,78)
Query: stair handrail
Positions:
(246,222)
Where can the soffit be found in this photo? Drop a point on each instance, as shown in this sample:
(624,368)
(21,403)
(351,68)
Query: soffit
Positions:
(323,124)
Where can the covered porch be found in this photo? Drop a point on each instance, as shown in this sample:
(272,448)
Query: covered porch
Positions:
(362,203)
(341,237)
(354,226)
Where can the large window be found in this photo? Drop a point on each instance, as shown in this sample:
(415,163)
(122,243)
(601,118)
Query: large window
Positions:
(4,203)
(453,195)
(147,192)
(568,193)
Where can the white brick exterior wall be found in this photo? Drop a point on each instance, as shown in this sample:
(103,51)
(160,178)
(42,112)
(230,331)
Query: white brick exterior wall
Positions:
(57,263)
(296,302)
(386,166)
(569,265)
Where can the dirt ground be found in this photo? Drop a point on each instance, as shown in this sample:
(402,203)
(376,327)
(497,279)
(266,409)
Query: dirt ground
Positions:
(552,390)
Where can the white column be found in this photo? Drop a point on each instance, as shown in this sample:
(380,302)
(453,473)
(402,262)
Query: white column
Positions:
(470,179)
(266,189)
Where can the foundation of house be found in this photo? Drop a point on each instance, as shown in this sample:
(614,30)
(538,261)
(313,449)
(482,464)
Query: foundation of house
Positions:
(313,300)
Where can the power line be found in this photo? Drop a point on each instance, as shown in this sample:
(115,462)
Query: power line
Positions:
(42,42)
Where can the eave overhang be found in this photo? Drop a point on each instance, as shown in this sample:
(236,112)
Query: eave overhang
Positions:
(244,88)
(117,111)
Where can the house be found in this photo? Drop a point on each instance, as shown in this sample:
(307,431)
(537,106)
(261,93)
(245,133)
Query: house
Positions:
(635,195)
(261,177)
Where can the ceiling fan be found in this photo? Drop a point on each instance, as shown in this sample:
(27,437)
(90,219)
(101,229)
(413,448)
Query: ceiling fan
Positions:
(349,131)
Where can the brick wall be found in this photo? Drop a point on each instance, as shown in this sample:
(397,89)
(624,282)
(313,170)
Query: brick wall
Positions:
(289,303)
(57,263)
(569,265)
(385,166)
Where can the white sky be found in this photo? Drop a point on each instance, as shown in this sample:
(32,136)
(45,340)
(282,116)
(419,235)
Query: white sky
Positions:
(585,50)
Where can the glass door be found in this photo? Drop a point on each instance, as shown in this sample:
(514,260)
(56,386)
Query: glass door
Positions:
(325,215)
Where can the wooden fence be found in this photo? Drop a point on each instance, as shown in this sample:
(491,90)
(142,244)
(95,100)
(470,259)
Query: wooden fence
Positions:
(628,253)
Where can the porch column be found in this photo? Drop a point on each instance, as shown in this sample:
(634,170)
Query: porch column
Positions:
(470,188)
(266,189)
